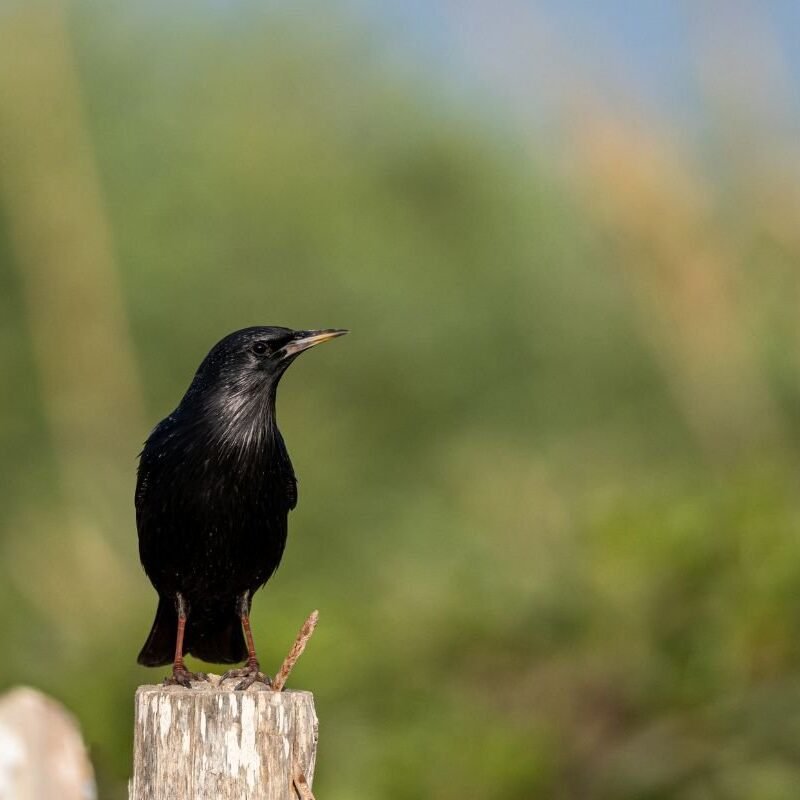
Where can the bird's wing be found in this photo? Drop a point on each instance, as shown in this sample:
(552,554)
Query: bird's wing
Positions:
(149,463)
(291,491)
(287,484)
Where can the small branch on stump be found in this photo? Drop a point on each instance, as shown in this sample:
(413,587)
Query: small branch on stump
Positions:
(302,788)
(297,650)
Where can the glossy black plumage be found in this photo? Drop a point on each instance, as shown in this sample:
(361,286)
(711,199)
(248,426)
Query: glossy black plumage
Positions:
(215,485)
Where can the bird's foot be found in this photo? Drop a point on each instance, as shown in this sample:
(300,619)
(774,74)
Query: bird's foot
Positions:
(250,674)
(182,677)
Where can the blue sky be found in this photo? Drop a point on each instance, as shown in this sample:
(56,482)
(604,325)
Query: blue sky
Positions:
(650,50)
(650,54)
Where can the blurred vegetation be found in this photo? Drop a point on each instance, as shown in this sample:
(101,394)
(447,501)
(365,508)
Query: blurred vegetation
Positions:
(548,486)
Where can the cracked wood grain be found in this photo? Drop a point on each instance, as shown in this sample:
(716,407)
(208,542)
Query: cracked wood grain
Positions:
(212,742)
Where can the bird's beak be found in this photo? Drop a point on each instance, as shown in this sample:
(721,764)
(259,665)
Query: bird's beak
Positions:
(305,339)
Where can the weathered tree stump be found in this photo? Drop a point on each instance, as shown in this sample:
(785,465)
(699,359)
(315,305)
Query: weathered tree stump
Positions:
(212,743)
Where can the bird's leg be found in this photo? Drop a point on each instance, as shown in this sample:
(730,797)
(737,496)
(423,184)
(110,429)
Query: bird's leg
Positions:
(251,672)
(181,675)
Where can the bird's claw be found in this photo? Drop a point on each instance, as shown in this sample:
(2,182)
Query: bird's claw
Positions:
(182,677)
(250,674)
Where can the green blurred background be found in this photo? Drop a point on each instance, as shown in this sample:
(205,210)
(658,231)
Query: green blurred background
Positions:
(548,485)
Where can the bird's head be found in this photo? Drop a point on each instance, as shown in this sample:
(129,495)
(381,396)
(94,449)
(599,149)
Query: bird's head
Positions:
(243,369)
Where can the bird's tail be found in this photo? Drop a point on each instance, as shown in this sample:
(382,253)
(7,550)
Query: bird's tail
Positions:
(159,649)
(216,638)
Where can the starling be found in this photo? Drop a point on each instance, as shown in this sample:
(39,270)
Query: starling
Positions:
(215,486)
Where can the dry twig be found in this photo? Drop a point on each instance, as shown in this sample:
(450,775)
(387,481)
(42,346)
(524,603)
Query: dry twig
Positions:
(300,782)
(297,650)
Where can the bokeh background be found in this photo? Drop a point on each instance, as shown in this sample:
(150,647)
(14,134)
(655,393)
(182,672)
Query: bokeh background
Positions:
(549,504)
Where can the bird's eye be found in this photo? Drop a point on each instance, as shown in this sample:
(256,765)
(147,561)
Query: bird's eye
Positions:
(259,348)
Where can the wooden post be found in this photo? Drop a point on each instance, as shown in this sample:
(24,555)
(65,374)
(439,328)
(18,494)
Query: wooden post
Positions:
(213,743)
(42,754)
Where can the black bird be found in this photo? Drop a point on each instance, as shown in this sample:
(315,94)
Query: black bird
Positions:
(215,486)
